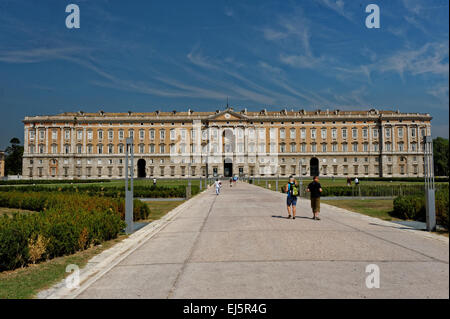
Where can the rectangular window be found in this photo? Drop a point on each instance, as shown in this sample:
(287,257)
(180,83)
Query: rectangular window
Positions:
(344,133)
(334,133)
(324,148)
(262,133)
(375,133)
(141,134)
(292,133)
(293,148)
(79,135)
(152,134)
(303,133)
(282,133)
(110,134)
(364,132)
(162,135)
(354,133)
(323,133)
(388,132)
(400,132)
(313,133)
(313,148)
(89,135)
(355,147)
(172,134)
(67,134)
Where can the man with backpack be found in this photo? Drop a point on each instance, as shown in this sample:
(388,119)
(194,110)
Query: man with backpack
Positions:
(292,192)
(315,189)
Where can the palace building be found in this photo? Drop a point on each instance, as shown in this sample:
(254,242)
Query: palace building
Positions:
(2,164)
(338,143)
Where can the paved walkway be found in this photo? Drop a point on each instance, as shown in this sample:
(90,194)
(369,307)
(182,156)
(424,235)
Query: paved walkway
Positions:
(240,245)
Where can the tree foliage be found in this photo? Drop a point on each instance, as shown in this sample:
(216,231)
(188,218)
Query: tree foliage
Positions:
(440,154)
(13,157)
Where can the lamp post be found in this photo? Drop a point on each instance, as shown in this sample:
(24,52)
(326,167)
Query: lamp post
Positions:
(129,187)
(188,189)
(429,184)
(301,176)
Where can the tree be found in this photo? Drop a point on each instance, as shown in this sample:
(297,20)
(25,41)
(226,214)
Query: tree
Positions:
(440,154)
(13,157)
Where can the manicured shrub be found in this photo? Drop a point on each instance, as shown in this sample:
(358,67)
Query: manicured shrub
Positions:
(110,191)
(52,181)
(28,238)
(414,207)
(442,207)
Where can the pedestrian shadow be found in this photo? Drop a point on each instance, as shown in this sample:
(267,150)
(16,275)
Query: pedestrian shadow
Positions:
(285,217)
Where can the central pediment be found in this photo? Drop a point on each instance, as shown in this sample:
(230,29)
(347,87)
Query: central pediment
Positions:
(228,115)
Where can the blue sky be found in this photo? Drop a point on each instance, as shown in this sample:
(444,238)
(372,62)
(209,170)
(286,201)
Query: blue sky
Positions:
(175,55)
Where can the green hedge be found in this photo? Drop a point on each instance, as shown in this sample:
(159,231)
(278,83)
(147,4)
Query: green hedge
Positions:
(52,181)
(414,207)
(110,191)
(368,190)
(402,179)
(42,201)
(30,238)
(63,224)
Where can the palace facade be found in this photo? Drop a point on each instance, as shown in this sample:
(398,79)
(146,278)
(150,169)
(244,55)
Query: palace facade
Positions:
(370,143)
(2,164)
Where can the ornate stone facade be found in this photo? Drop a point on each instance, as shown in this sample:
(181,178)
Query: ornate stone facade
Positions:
(224,143)
(2,164)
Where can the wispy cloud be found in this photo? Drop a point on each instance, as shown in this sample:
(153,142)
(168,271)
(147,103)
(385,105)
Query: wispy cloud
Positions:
(337,6)
(431,58)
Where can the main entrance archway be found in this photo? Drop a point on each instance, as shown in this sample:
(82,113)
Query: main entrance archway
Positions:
(141,164)
(228,167)
(314,166)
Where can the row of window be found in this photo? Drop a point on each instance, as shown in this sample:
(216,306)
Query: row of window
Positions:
(239,133)
(228,148)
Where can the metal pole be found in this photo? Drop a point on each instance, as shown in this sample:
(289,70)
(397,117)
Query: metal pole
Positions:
(129,187)
(300,193)
(429,184)
(188,190)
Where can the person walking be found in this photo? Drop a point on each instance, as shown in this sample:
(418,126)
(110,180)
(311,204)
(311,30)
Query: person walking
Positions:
(356,181)
(315,189)
(217,185)
(154,181)
(291,189)
(349,181)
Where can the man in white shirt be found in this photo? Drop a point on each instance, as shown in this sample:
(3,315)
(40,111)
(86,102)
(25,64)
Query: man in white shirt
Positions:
(217,185)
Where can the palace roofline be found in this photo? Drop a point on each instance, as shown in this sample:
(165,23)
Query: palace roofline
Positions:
(242,114)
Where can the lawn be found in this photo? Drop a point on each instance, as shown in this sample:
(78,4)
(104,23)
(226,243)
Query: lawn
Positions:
(336,182)
(28,281)
(137,182)
(379,208)
(159,208)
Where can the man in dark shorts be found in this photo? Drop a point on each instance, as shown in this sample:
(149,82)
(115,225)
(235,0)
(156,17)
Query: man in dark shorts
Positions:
(315,189)
(291,189)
